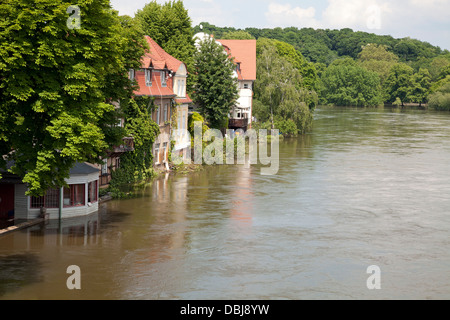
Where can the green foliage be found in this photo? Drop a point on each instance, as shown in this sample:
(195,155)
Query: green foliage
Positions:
(325,46)
(215,88)
(440,100)
(58,85)
(136,166)
(238,35)
(399,83)
(277,89)
(344,83)
(307,70)
(421,85)
(378,59)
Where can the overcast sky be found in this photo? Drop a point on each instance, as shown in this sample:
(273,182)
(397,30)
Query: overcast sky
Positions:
(426,20)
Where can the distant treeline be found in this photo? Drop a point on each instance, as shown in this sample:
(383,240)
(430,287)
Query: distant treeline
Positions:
(355,68)
(325,46)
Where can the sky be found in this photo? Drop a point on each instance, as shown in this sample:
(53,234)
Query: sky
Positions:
(426,20)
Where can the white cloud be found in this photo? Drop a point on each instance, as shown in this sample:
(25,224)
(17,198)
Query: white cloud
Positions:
(286,15)
(357,14)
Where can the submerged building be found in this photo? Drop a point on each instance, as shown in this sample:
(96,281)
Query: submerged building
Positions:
(79,198)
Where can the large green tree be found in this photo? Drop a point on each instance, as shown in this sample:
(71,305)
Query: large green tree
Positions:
(344,83)
(378,59)
(399,83)
(279,99)
(421,85)
(215,85)
(58,83)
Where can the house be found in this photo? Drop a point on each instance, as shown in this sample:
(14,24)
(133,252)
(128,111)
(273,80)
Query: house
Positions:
(164,78)
(112,160)
(244,54)
(79,198)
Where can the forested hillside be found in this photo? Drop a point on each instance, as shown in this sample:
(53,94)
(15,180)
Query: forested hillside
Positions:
(362,69)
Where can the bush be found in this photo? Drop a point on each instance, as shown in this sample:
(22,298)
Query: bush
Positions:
(440,100)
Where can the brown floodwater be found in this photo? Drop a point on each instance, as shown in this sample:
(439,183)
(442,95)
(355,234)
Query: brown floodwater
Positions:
(366,187)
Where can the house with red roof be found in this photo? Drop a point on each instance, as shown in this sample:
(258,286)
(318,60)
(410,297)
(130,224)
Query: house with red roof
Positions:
(244,54)
(164,78)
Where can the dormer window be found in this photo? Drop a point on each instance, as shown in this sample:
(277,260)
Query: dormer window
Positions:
(163,79)
(238,67)
(148,77)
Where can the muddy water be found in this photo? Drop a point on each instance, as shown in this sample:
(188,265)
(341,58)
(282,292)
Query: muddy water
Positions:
(366,187)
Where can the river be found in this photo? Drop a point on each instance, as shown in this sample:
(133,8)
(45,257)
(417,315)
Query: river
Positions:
(366,187)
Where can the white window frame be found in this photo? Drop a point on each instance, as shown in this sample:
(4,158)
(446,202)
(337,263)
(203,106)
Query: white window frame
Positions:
(163,79)
(165,144)
(148,77)
(158,114)
(156,153)
(165,110)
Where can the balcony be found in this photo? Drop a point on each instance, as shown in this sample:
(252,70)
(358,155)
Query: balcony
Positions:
(238,124)
(127,146)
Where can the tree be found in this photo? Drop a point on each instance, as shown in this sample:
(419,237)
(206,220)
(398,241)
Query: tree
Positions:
(215,86)
(170,26)
(277,88)
(58,82)
(238,35)
(378,59)
(440,100)
(421,84)
(308,75)
(399,83)
(344,83)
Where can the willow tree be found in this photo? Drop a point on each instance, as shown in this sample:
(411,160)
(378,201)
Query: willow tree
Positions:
(277,89)
(61,69)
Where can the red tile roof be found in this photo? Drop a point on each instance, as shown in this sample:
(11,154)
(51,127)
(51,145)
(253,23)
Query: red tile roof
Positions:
(156,89)
(243,51)
(158,58)
(184,100)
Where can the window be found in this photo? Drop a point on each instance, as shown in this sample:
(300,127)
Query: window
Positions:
(166,106)
(93,191)
(163,79)
(179,88)
(131,74)
(165,151)
(184,121)
(246,86)
(74,195)
(158,114)
(105,167)
(148,77)
(182,89)
(156,154)
(50,200)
